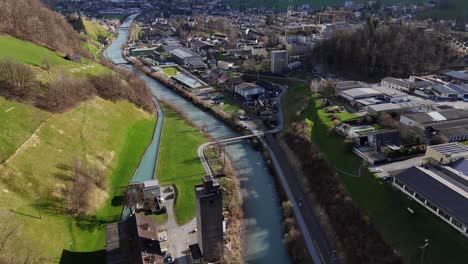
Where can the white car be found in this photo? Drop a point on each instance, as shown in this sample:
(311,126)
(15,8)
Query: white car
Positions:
(376,170)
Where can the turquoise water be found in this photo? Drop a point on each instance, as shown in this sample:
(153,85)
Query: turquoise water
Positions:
(263,215)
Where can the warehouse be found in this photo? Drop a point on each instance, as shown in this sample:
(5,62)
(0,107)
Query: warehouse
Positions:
(443,190)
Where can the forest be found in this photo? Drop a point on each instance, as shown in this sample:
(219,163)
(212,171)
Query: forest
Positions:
(378,50)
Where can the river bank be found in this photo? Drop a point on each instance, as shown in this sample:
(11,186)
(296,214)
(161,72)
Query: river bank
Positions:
(263,236)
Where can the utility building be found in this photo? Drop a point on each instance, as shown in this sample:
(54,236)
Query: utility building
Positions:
(209,205)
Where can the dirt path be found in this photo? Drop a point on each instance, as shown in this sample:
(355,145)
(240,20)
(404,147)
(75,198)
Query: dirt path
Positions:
(31,141)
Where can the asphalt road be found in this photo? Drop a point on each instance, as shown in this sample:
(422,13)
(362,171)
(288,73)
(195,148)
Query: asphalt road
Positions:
(301,204)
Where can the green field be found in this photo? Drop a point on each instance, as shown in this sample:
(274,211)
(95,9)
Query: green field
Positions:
(178,162)
(113,136)
(385,207)
(18,122)
(171,71)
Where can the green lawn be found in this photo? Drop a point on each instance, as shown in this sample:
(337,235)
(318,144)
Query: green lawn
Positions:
(385,207)
(229,106)
(110,135)
(178,162)
(171,71)
(18,122)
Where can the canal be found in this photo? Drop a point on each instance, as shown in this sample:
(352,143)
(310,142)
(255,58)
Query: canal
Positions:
(264,231)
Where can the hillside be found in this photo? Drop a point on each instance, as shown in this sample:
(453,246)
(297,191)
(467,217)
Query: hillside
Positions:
(35,181)
(72,133)
(32,20)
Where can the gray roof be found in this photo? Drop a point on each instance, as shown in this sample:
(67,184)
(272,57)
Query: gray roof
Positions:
(359,92)
(448,115)
(450,148)
(457,75)
(437,193)
(384,107)
(183,53)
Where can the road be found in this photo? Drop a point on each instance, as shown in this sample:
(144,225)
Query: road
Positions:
(317,243)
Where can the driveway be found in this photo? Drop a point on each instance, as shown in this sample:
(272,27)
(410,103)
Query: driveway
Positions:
(397,166)
(179,236)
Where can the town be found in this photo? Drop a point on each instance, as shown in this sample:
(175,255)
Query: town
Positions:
(285,133)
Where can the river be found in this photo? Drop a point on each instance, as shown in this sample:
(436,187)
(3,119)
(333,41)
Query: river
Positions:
(264,231)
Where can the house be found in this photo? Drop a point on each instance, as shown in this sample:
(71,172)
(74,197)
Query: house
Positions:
(443,190)
(146,195)
(369,144)
(249,91)
(225,65)
(378,138)
(133,241)
(201,47)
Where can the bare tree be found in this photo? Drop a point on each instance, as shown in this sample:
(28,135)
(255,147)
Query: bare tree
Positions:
(18,79)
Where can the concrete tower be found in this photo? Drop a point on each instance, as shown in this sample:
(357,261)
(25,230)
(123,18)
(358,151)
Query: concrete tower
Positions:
(209,205)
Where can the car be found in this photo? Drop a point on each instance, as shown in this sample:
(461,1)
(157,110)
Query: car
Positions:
(244,118)
(376,170)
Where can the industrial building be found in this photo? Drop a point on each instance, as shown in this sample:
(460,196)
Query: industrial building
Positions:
(449,125)
(443,190)
(447,153)
(404,85)
(187,57)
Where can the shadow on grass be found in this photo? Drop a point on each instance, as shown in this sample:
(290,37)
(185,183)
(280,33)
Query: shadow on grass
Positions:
(69,257)
(117,200)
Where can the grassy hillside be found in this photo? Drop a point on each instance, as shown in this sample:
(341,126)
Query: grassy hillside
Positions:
(43,58)
(19,121)
(178,162)
(112,136)
(94,30)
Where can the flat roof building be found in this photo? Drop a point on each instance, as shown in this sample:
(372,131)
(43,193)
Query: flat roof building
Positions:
(443,190)
(249,91)
(450,124)
(447,153)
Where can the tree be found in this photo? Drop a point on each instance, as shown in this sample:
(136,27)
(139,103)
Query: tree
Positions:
(18,79)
